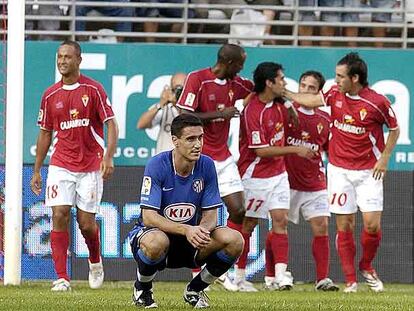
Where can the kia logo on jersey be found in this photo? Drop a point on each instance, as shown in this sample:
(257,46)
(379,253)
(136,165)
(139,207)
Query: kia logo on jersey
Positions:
(180,212)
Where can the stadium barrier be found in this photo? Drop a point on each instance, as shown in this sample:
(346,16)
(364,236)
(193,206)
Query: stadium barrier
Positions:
(216,26)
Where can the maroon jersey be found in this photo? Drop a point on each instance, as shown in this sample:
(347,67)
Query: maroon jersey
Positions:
(313,133)
(357,127)
(203,92)
(76,113)
(261,125)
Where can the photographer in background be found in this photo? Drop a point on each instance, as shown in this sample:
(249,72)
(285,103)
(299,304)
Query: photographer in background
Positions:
(163,112)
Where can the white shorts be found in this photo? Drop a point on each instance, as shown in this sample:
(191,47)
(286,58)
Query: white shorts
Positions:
(228,176)
(265,194)
(311,203)
(83,190)
(350,189)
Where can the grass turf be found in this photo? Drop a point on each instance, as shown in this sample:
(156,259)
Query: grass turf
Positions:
(168,295)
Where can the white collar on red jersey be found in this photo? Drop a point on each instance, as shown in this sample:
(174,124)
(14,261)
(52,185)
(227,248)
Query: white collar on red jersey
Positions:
(70,87)
(354,97)
(308,112)
(220,81)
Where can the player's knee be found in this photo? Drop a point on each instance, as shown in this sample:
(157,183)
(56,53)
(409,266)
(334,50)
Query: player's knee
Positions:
(235,243)
(372,228)
(154,246)
(280,222)
(60,218)
(87,228)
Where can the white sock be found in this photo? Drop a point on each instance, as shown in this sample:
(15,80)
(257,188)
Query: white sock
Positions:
(240,275)
(280,269)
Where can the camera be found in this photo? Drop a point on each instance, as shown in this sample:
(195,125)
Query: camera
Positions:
(177,91)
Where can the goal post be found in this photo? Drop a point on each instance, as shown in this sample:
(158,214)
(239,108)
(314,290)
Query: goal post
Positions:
(14,143)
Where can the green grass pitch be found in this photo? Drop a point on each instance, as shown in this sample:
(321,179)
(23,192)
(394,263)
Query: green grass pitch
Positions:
(168,295)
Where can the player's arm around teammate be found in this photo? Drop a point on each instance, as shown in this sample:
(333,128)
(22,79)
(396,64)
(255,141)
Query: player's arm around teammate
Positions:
(358,158)
(262,168)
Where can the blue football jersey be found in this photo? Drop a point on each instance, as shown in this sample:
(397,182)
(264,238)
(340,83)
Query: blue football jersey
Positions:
(177,198)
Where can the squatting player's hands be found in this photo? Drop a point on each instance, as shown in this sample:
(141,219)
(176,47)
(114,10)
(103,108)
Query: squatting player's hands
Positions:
(306,153)
(198,236)
(36,183)
(380,168)
(107,168)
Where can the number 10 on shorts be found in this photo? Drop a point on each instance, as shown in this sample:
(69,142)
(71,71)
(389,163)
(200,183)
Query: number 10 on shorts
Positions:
(339,199)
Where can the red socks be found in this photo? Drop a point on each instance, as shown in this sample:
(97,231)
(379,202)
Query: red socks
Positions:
(345,245)
(280,247)
(370,243)
(94,246)
(242,262)
(320,252)
(269,262)
(59,242)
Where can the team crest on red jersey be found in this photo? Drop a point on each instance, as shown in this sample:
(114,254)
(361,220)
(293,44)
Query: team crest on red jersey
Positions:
(338,104)
(85,100)
(198,185)
(363,113)
(319,127)
(74,113)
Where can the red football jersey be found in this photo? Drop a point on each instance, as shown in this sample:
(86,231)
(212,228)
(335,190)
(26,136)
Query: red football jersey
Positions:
(76,113)
(261,125)
(313,133)
(203,92)
(357,127)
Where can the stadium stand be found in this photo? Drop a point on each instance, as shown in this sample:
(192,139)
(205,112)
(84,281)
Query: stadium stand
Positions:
(287,28)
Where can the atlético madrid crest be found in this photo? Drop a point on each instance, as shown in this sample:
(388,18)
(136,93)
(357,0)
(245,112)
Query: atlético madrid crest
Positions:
(198,185)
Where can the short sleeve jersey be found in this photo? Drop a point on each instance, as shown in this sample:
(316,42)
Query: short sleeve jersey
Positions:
(180,199)
(261,125)
(203,92)
(357,127)
(76,113)
(312,132)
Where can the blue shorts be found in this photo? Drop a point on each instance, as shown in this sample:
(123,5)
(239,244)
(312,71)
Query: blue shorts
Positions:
(339,17)
(181,254)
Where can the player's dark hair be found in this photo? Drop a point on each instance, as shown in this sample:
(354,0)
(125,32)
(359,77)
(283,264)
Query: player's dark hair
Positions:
(229,52)
(182,121)
(73,44)
(316,75)
(356,66)
(263,72)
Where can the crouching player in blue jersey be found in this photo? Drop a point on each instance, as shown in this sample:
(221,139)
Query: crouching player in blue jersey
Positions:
(178,224)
